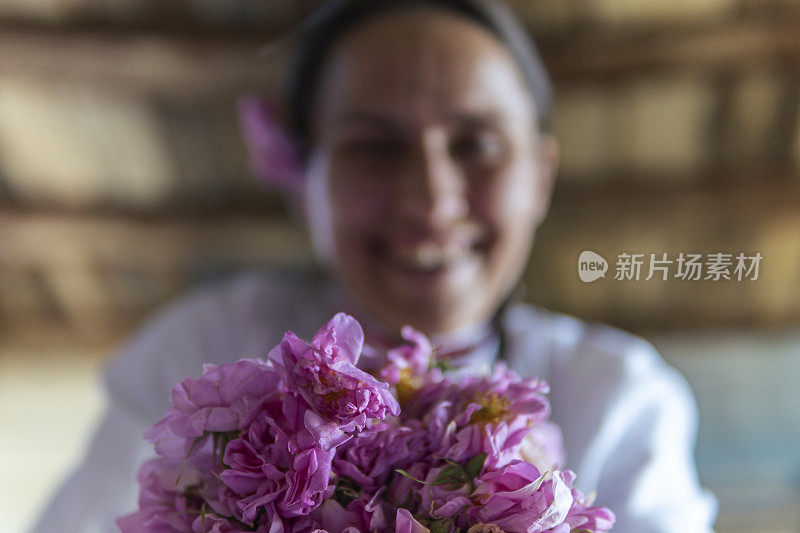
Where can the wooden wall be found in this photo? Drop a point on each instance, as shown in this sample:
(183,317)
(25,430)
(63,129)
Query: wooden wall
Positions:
(123,179)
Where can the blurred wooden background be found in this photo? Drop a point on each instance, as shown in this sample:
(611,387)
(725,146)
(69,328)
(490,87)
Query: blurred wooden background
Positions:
(123,181)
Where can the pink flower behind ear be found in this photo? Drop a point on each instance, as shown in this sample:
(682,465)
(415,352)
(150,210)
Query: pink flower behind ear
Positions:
(342,398)
(274,153)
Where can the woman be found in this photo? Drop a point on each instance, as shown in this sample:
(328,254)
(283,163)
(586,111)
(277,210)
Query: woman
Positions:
(426,170)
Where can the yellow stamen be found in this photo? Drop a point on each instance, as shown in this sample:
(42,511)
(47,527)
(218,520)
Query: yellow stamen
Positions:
(494,408)
(407,386)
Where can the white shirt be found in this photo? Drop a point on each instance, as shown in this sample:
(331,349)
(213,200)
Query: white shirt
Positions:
(628,419)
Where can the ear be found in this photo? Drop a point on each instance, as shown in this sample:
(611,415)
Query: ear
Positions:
(316,208)
(548,153)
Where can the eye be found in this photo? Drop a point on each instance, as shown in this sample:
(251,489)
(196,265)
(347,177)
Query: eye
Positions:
(482,147)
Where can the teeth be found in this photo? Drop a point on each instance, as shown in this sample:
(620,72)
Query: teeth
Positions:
(430,256)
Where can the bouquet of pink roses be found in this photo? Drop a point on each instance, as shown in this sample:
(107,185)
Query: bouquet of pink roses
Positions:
(308,442)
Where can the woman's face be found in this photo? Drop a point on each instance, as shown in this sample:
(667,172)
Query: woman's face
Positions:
(428,175)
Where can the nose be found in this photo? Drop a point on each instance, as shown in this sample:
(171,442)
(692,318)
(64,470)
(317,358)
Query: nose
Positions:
(432,191)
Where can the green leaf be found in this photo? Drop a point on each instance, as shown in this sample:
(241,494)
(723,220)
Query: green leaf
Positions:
(344,496)
(409,476)
(441,364)
(453,476)
(475,465)
(195,442)
(443,525)
(346,491)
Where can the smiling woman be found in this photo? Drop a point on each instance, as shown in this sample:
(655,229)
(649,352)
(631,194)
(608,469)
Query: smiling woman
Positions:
(426,170)
(429,156)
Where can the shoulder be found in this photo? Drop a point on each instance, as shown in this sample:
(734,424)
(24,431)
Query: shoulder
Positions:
(203,314)
(600,376)
(221,322)
(243,293)
(546,341)
(629,419)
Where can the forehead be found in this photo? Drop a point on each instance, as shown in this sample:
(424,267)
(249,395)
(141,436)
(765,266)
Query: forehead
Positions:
(421,64)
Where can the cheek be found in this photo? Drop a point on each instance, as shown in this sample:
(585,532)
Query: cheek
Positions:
(339,213)
(358,201)
(509,205)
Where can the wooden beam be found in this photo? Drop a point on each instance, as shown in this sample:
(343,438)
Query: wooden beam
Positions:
(726,47)
(153,63)
(751,218)
(214,62)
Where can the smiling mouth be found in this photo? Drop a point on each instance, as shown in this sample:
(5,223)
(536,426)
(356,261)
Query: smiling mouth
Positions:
(428,256)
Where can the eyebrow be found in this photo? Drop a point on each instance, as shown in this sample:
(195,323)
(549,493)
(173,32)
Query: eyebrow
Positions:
(388,121)
(477,119)
(366,118)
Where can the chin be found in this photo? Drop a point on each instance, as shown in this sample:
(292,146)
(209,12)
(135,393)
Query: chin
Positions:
(432,315)
(435,297)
